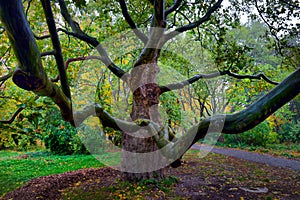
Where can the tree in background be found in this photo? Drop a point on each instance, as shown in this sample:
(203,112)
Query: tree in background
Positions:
(145,148)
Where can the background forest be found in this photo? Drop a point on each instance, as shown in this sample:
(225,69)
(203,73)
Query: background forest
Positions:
(29,121)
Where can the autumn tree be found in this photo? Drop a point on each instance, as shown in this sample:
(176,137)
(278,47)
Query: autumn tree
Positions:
(145,149)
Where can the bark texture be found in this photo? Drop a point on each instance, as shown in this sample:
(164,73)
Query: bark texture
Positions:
(139,160)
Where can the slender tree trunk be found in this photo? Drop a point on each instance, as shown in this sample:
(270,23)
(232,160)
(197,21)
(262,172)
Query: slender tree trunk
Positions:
(139,160)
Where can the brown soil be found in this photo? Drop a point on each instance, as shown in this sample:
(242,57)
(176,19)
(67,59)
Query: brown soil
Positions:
(213,177)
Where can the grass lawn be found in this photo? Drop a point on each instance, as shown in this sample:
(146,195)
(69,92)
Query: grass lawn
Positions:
(16,168)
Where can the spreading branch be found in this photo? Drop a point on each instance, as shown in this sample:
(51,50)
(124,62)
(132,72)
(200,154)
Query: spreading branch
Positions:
(41,37)
(181,85)
(195,24)
(47,53)
(256,76)
(131,23)
(106,119)
(13,117)
(78,33)
(5,77)
(112,67)
(238,122)
(173,7)
(178,86)
(257,112)
(57,48)
(17,112)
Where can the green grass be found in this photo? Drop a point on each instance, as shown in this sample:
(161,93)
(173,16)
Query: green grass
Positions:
(17,168)
(4,155)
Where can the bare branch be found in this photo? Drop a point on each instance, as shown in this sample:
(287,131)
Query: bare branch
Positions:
(41,37)
(28,7)
(270,28)
(256,76)
(195,24)
(106,119)
(177,86)
(112,67)
(57,48)
(5,77)
(131,23)
(48,53)
(78,33)
(5,52)
(23,106)
(173,7)
(9,121)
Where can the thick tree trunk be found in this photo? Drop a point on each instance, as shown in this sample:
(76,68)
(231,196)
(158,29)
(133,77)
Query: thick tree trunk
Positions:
(139,160)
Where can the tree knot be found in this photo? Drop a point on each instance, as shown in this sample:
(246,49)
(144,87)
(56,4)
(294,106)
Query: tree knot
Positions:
(25,81)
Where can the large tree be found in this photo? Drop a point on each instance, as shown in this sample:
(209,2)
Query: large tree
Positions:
(145,149)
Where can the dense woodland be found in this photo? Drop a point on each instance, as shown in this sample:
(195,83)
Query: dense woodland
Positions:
(148,76)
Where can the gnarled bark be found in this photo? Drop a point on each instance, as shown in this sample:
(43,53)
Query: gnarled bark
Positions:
(138,160)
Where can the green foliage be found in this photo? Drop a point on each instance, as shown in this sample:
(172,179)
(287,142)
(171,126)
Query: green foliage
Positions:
(16,140)
(290,132)
(24,133)
(60,137)
(261,135)
(63,140)
(170,103)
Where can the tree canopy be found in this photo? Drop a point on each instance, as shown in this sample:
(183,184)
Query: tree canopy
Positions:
(136,42)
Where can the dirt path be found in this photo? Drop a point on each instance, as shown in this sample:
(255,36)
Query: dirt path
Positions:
(252,156)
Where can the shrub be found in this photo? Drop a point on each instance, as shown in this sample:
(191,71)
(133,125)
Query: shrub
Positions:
(63,140)
(290,132)
(260,135)
(17,138)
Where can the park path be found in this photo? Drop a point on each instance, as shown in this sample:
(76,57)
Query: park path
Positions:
(252,156)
